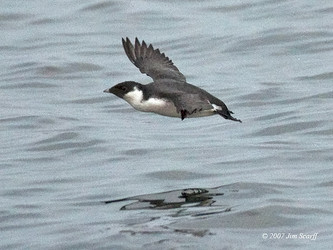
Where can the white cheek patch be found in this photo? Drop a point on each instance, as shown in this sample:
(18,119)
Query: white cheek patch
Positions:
(215,107)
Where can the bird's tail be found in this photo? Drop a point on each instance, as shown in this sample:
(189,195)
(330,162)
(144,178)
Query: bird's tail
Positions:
(227,115)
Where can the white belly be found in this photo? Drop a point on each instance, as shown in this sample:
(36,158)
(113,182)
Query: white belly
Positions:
(159,106)
(166,108)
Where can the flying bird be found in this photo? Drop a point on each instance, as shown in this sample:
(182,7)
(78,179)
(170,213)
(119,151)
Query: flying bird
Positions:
(169,94)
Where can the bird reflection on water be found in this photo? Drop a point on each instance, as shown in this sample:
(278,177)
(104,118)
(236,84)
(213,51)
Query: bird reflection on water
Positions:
(191,197)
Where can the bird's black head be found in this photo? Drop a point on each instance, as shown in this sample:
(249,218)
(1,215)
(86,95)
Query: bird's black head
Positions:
(123,88)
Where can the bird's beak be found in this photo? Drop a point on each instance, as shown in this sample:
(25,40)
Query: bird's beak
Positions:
(115,91)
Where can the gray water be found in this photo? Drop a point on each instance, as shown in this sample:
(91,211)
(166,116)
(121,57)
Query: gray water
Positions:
(66,147)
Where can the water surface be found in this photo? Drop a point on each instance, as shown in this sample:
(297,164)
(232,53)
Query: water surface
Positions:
(66,147)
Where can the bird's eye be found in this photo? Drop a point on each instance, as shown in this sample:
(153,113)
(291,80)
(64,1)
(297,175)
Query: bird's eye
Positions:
(123,88)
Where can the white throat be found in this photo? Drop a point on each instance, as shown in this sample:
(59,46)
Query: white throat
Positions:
(134,97)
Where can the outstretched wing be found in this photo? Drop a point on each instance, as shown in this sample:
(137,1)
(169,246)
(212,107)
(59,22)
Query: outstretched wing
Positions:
(151,61)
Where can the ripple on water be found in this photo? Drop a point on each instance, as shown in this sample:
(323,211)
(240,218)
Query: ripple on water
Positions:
(101,6)
(69,68)
(289,128)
